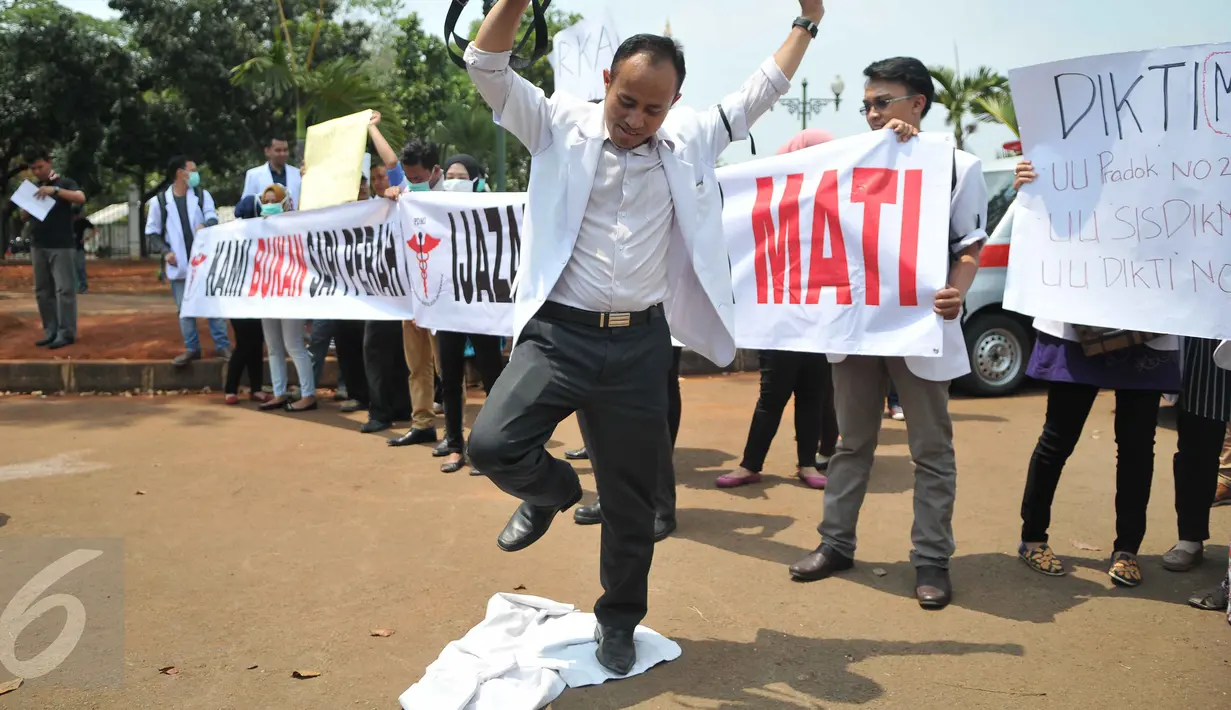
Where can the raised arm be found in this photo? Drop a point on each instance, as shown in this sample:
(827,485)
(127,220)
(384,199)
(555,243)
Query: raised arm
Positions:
(770,82)
(387,156)
(519,106)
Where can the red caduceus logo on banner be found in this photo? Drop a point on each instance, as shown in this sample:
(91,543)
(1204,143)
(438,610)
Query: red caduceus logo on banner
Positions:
(195,262)
(422,245)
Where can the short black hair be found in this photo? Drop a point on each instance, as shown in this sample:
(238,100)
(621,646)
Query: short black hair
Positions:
(175,165)
(908,71)
(36,154)
(423,153)
(659,48)
(276,137)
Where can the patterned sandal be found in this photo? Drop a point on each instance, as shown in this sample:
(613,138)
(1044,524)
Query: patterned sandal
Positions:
(1124,569)
(1042,560)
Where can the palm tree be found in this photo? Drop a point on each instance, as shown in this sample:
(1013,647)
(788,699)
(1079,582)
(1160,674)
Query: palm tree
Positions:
(998,108)
(961,94)
(331,89)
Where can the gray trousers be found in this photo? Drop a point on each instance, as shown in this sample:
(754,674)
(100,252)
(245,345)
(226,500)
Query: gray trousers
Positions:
(860,384)
(55,289)
(615,376)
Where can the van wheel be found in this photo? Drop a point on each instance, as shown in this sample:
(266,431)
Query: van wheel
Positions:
(999,348)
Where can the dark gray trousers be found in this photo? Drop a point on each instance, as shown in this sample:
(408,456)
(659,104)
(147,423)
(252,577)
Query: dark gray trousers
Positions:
(614,376)
(55,290)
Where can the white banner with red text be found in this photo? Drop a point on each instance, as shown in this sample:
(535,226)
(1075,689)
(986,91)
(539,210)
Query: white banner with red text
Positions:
(1128,224)
(841,248)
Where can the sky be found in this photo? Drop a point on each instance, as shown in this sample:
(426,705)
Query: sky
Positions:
(726,40)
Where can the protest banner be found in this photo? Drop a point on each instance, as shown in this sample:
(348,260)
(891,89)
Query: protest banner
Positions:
(580,54)
(467,250)
(346,262)
(1129,222)
(841,248)
(333,161)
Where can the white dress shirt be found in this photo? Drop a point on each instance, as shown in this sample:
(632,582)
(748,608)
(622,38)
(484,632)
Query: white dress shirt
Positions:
(619,263)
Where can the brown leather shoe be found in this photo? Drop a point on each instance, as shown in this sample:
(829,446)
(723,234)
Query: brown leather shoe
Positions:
(932,587)
(822,562)
(1223,494)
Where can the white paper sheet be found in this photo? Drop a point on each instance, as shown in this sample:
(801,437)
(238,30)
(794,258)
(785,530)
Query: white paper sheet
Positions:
(27,198)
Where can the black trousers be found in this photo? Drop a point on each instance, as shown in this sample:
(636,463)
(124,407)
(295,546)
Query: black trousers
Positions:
(451,359)
(1195,465)
(348,342)
(1068,406)
(614,377)
(385,364)
(247,356)
(784,373)
(829,415)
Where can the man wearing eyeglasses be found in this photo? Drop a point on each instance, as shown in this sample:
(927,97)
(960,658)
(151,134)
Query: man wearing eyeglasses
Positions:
(898,94)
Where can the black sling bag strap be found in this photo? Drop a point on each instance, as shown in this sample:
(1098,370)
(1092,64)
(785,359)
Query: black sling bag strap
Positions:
(727,123)
(538,29)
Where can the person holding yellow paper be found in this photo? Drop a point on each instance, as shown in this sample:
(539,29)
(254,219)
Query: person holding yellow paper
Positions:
(333,160)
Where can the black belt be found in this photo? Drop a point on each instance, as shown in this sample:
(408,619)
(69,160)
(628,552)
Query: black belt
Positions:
(569,314)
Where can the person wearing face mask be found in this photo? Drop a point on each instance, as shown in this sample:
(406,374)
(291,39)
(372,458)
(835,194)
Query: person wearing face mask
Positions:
(285,336)
(422,173)
(175,216)
(275,171)
(463,174)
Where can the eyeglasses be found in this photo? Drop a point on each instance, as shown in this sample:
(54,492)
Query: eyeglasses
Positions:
(882,103)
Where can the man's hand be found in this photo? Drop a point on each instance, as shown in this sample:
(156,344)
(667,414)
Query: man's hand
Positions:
(46,191)
(812,9)
(948,303)
(393,193)
(169,257)
(904,130)
(1023,174)
(375,119)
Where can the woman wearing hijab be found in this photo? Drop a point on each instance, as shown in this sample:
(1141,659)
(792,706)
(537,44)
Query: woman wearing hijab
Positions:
(783,373)
(286,335)
(462,174)
(249,352)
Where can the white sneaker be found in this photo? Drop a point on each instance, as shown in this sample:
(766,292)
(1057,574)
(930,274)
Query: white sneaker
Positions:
(896,413)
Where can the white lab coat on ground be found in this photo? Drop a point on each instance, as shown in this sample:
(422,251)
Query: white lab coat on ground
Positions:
(174,236)
(565,137)
(261,177)
(523,654)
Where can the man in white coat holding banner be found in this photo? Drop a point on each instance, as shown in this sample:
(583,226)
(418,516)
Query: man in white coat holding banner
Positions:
(898,94)
(623,248)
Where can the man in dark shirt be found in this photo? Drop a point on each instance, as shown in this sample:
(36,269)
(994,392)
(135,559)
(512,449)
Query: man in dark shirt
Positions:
(82,230)
(53,254)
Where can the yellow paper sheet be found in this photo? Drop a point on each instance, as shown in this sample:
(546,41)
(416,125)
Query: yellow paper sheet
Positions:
(333,161)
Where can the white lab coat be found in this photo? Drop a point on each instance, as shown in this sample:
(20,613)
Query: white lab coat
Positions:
(261,177)
(174,237)
(565,137)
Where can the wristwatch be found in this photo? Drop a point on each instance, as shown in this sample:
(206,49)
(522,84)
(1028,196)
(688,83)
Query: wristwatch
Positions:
(809,26)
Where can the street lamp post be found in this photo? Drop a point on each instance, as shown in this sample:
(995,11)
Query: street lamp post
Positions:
(813,107)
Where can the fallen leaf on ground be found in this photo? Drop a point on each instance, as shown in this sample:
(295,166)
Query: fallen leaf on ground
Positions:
(879,572)
(383,633)
(252,667)
(140,493)
(1084,546)
(520,588)
(305,674)
(169,670)
(10,685)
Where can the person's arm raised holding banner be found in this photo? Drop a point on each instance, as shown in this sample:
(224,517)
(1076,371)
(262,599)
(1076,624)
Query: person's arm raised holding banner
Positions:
(623,234)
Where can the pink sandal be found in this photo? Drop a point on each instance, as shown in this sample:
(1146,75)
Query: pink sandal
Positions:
(812,480)
(730,480)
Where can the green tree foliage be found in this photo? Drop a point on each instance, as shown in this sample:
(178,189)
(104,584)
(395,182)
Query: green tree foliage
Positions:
(960,94)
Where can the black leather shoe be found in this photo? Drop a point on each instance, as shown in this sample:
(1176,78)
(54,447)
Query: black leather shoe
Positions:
(528,524)
(616,650)
(61,342)
(577,454)
(442,449)
(415,436)
(820,563)
(932,587)
(663,527)
(45,341)
(588,514)
(372,426)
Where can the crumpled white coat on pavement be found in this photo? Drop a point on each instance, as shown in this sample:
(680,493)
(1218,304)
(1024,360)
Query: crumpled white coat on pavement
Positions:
(523,654)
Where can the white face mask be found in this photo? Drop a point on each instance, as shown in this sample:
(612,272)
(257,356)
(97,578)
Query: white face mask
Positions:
(459,185)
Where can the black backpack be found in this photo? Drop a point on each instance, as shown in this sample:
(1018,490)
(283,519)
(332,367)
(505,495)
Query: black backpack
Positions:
(162,205)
